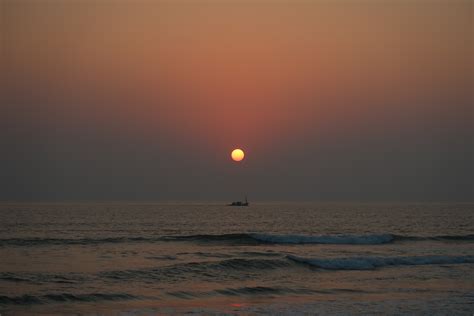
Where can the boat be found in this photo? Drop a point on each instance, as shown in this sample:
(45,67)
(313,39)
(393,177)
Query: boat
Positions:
(239,203)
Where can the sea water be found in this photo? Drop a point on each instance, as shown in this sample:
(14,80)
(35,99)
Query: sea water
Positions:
(208,258)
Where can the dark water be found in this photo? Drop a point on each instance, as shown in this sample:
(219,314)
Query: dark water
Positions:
(281,258)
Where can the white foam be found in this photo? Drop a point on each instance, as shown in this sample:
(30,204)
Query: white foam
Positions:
(325,239)
(369,263)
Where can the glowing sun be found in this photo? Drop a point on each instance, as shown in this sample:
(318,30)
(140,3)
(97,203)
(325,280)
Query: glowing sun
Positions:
(237,154)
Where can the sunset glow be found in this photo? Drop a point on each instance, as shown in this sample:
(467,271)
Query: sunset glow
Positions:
(150,92)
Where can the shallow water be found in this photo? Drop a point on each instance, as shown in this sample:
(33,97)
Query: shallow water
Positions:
(290,258)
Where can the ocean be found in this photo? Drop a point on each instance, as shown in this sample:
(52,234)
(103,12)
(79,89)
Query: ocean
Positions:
(208,258)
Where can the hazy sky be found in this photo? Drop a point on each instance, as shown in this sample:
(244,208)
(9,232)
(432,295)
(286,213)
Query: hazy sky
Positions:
(144,100)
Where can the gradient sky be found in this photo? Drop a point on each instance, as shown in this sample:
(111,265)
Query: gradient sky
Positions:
(144,100)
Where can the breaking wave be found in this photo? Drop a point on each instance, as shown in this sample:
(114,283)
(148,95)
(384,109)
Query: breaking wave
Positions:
(343,239)
(256,238)
(241,238)
(325,239)
(370,263)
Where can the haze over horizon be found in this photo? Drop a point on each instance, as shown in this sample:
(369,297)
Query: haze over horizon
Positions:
(341,101)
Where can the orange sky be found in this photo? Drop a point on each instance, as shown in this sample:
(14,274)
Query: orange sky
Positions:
(254,74)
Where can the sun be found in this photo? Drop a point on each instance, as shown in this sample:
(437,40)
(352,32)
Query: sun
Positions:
(237,154)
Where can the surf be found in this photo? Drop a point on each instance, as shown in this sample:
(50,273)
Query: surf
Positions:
(371,263)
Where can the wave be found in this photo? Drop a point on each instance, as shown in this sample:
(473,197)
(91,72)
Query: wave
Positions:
(257,238)
(343,239)
(370,239)
(40,278)
(261,290)
(370,263)
(64,297)
(469,237)
(229,269)
(71,241)
(325,239)
(234,269)
(241,264)
(241,238)
(242,291)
